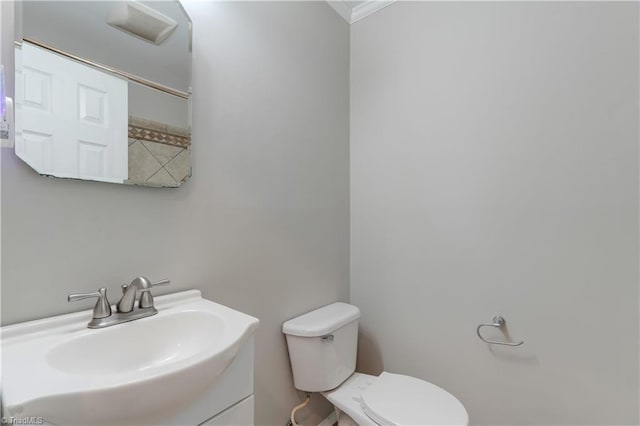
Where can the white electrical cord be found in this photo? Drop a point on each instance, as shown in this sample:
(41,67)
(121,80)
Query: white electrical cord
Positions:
(297,407)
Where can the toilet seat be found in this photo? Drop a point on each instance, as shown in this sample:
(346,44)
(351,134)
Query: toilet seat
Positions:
(395,399)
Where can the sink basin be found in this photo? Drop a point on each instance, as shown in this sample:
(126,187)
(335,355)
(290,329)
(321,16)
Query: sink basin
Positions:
(184,334)
(138,372)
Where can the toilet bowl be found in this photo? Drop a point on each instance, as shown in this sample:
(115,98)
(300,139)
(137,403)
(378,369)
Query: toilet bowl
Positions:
(322,348)
(394,399)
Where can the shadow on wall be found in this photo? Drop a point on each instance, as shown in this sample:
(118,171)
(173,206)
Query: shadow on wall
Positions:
(508,355)
(369,356)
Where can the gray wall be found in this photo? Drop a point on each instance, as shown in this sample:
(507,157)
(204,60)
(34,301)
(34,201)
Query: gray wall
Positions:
(154,105)
(263,225)
(6,45)
(494,169)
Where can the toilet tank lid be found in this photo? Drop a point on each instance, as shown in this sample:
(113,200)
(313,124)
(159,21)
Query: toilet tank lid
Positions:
(322,321)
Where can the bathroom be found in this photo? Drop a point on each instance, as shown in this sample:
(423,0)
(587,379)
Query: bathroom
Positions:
(435,164)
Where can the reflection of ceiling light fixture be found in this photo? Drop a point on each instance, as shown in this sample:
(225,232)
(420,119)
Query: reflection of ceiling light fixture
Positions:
(142,21)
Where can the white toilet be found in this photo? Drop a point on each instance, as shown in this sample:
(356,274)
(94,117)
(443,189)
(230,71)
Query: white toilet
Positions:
(322,348)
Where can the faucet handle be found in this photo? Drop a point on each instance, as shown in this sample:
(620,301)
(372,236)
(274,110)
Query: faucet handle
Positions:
(146,299)
(161,282)
(102,308)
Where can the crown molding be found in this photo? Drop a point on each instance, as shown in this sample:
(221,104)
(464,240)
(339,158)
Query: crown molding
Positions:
(342,8)
(368,8)
(360,11)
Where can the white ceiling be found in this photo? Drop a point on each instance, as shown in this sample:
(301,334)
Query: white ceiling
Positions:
(353,11)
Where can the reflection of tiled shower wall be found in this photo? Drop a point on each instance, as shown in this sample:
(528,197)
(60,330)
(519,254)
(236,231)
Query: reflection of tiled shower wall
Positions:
(159,154)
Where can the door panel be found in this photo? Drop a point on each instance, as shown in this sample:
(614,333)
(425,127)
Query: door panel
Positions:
(81,111)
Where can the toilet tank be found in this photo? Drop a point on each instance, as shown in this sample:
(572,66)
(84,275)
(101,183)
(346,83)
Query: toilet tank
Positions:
(323,346)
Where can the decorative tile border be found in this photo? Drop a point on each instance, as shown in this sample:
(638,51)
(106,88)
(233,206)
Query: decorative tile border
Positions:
(154,131)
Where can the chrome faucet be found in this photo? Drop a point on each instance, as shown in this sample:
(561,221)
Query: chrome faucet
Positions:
(129,292)
(102,313)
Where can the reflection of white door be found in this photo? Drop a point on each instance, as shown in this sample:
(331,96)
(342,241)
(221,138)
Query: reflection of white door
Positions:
(71,119)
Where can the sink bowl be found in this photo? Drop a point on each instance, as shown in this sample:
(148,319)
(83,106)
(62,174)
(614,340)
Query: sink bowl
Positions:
(137,372)
(184,334)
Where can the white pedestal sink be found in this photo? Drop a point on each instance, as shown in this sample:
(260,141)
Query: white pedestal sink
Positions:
(184,365)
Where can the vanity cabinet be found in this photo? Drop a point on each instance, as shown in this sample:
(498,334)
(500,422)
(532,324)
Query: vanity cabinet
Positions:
(239,414)
(229,400)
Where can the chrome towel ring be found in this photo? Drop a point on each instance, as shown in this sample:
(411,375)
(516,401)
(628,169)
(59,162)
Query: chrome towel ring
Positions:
(498,322)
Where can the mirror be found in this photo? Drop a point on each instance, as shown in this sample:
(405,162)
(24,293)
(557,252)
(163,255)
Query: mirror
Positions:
(103,90)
